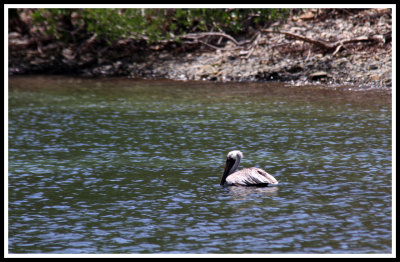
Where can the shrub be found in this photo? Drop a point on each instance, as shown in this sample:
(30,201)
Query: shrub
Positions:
(151,24)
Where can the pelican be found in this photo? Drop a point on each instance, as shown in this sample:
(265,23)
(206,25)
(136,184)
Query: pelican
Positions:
(252,176)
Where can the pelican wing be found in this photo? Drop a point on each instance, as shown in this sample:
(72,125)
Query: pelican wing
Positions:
(250,176)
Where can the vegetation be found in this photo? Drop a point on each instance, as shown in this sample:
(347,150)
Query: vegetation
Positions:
(151,25)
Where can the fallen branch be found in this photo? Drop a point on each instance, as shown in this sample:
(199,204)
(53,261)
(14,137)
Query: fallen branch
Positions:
(253,45)
(335,46)
(245,44)
(206,34)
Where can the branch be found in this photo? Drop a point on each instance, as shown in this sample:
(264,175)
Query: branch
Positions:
(202,35)
(323,44)
(239,45)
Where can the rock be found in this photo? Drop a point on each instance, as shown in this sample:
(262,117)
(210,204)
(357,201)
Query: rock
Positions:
(372,67)
(319,75)
(68,54)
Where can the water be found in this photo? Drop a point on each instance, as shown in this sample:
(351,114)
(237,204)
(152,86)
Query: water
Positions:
(116,165)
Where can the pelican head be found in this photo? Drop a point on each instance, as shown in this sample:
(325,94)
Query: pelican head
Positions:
(232,163)
(235,154)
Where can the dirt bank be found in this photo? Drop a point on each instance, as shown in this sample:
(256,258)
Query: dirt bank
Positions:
(286,51)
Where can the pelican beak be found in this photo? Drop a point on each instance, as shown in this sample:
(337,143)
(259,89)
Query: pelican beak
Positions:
(228,165)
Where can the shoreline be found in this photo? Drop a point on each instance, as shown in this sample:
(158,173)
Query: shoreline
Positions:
(274,57)
(307,87)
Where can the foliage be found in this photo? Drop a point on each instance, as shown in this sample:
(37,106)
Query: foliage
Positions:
(151,24)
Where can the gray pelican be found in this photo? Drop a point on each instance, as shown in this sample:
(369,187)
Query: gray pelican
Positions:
(252,176)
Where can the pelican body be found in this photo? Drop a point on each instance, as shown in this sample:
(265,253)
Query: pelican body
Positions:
(252,176)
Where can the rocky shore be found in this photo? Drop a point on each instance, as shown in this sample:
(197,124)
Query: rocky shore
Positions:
(272,57)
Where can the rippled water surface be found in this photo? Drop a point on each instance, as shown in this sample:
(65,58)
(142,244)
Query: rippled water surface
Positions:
(125,166)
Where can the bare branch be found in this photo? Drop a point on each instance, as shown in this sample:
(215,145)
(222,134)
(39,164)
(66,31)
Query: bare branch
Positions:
(201,35)
(323,44)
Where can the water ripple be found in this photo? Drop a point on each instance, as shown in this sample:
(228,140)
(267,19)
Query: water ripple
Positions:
(137,170)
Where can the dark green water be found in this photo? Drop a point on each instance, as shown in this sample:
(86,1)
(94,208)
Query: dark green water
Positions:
(123,166)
